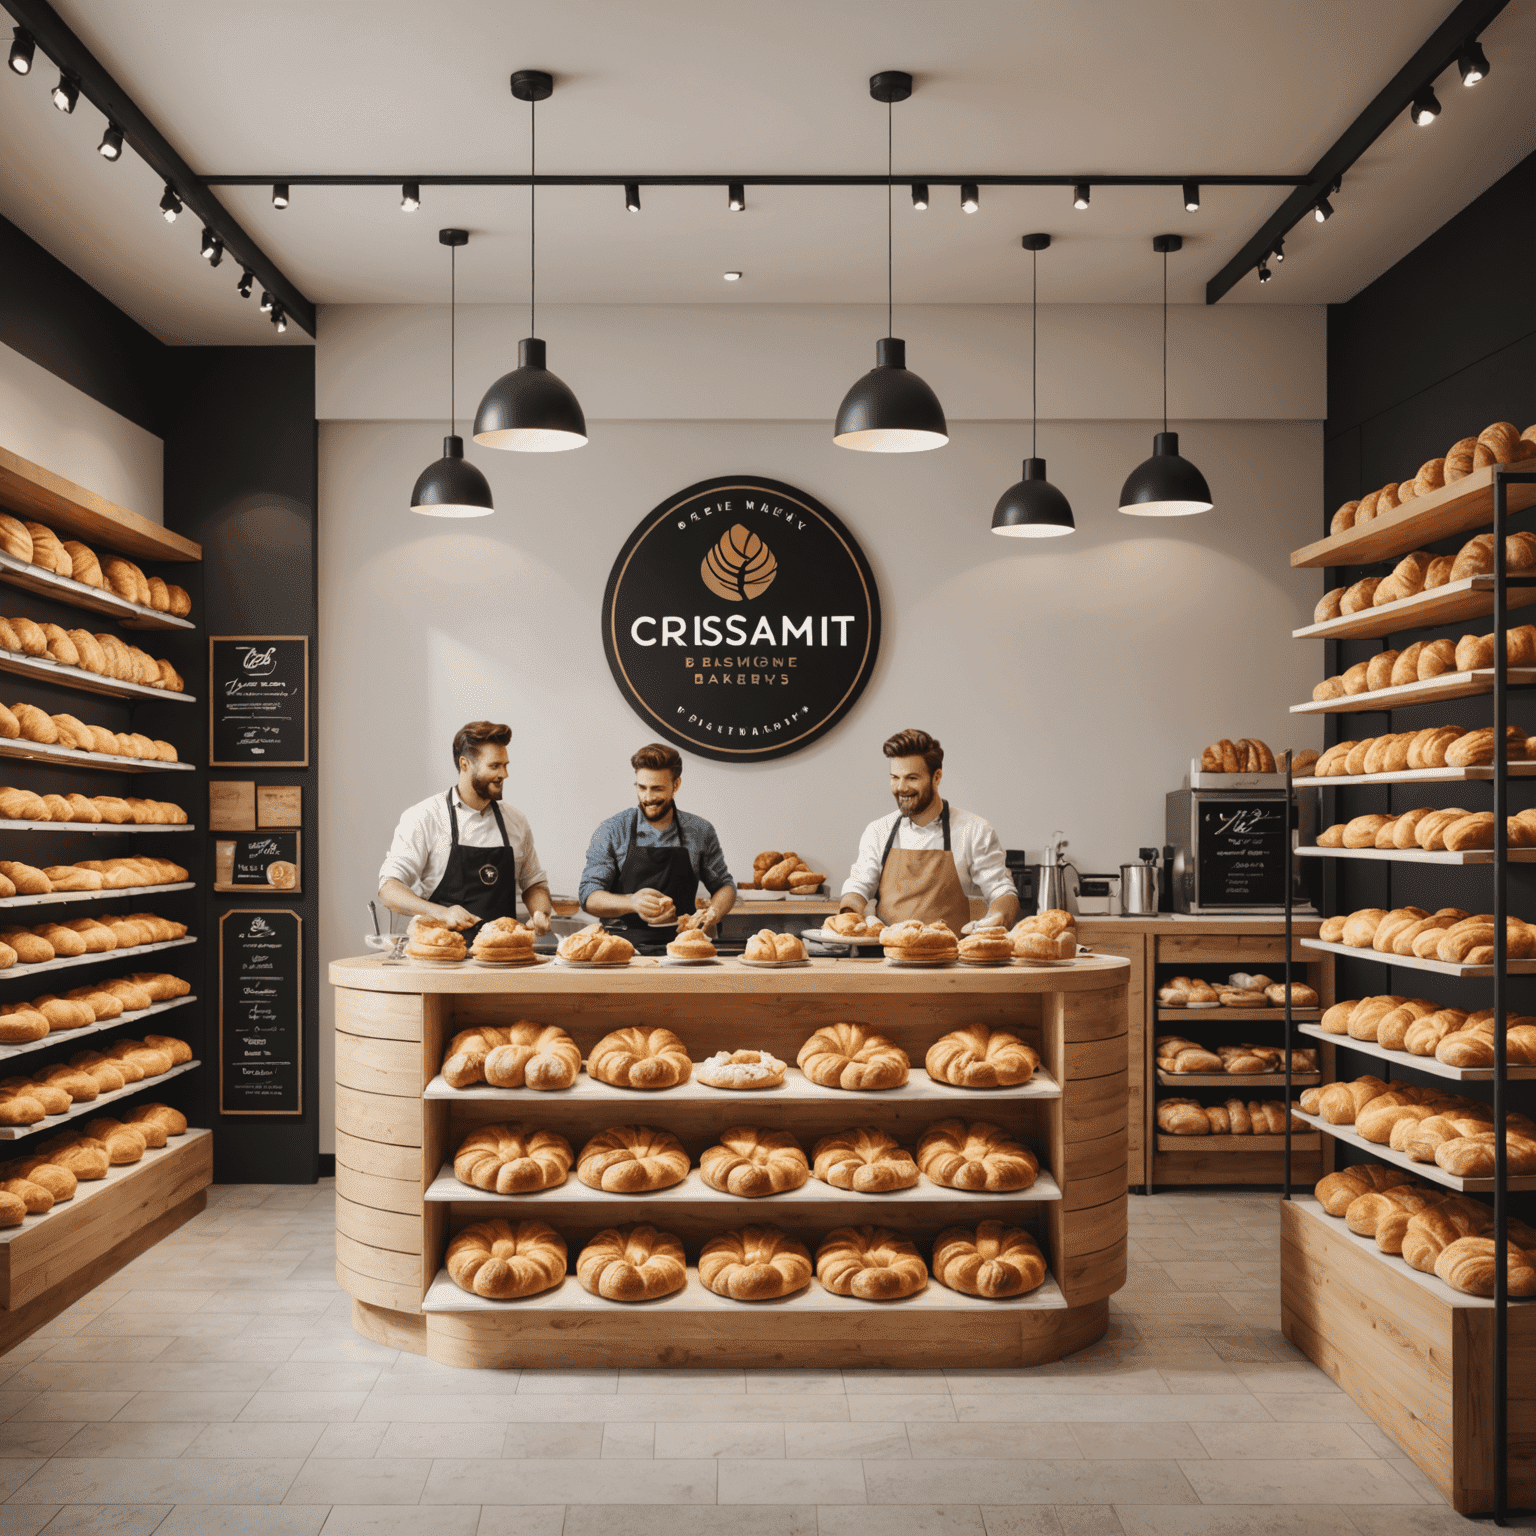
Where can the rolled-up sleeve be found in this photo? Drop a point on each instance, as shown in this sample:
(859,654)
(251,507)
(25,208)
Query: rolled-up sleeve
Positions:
(601,872)
(989,869)
(712,867)
(530,872)
(864,878)
(408,851)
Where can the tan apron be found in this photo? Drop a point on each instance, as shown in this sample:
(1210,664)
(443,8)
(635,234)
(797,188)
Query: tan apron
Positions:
(922,883)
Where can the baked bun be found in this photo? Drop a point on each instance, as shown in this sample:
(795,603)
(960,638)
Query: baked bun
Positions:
(852,1056)
(741,1070)
(990,1259)
(503,1260)
(512,1160)
(752,1163)
(865,1160)
(520,1055)
(691,944)
(626,1159)
(640,1058)
(754,1263)
(594,945)
(851,926)
(987,946)
(430,938)
(872,1263)
(632,1263)
(914,940)
(780,948)
(975,1156)
(979,1057)
(502,939)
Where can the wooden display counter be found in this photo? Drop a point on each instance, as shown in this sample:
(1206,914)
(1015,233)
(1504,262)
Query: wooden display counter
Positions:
(398,1125)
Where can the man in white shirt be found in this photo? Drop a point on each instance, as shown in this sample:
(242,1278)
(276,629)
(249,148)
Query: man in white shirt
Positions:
(457,855)
(928,859)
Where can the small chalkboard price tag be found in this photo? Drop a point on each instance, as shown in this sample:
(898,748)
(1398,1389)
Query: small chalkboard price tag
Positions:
(1242,852)
(259,687)
(257,861)
(260,1012)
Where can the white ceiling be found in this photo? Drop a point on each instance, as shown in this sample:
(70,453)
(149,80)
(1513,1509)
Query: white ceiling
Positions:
(689,86)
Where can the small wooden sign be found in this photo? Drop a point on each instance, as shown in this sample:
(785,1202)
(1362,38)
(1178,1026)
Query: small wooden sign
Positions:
(261,1034)
(259,688)
(279,805)
(232,805)
(265,862)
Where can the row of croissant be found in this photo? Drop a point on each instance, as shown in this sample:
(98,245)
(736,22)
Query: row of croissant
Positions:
(511,1159)
(1189,1117)
(18,879)
(851,1056)
(1434,1231)
(1242,989)
(34,1184)
(504,1260)
(104,655)
(1424,659)
(1451,830)
(1419,1027)
(98,1003)
(1178,1055)
(1450,934)
(85,935)
(26,722)
(1433,746)
(1423,572)
(57,1089)
(37,544)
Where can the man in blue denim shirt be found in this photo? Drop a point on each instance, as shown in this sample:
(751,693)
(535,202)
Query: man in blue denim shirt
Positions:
(645,865)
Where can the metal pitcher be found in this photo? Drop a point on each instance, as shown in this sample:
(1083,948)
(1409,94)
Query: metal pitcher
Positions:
(1138,889)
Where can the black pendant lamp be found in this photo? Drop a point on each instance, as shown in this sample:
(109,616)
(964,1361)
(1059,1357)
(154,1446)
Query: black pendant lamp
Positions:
(1165,485)
(1034,508)
(450,487)
(891,409)
(530,409)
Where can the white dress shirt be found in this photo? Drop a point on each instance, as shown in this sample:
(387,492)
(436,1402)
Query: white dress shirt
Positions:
(418,856)
(978,854)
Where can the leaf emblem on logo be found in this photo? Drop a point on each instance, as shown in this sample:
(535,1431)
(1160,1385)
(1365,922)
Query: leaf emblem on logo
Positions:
(739,567)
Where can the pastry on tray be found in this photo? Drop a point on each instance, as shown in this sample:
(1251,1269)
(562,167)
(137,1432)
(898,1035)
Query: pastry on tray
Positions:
(504,941)
(849,925)
(915,940)
(594,945)
(691,944)
(741,1070)
(781,948)
(430,938)
(852,1056)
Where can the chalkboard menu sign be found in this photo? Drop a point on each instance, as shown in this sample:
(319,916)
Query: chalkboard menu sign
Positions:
(260,1011)
(1242,852)
(257,861)
(259,685)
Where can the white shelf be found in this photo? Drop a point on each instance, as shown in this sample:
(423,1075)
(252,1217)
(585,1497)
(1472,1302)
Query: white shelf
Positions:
(33,578)
(1469,598)
(85,1111)
(46,669)
(86,1188)
(444,1296)
(446,1189)
(796,1089)
(122,893)
(1419,1063)
(1236,1080)
(1433,1172)
(93,827)
(1419,855)
(1433,690)
(68,962)
(69,757)
(1481,771)
(1430,1282)
(58,1037)
(1413,963)
(1221,1015)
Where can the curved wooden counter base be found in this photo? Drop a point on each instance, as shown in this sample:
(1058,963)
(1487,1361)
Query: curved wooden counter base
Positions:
(394,1139)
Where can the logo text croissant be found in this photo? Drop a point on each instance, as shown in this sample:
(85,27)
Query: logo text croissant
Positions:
(739,567)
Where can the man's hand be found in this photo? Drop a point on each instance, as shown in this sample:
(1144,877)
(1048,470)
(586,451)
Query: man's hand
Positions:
(459,917)
(653,906)
(708,917)
(539,922)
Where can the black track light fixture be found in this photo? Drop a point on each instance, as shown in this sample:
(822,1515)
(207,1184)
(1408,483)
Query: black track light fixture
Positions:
(111,146)
(890,409)
(279,320)
(1081,194)
(1323,211)
(410,197)
(279,194)
(1165,485)
(266,302)
(1279,251)
(1264,273)
(1425,108)
(632,196)
(66,93)
(23,49)
(1191,197)
(209,242)
(530,409)
(243,287)
(170,204)
(216,255)
(449,487)
(970,196)
(1033,508)
(920,195)
(1472,62)
(736,196)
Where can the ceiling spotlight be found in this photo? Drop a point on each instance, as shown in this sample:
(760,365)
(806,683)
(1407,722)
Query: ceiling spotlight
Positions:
(111,146)
(1080,194)
(970,197)
(1324,210)
(919,195)
(266,302)
(66,93)
(737,198)
(243,287)
(410,197)
(1425,108)
(632,196)
(1279,252)
(1191,196)
(279,320)
(1264,273)
(731,277)
(210,240)
(1472,62)
(22,49)
(170,204)
(279,194)
(216,255)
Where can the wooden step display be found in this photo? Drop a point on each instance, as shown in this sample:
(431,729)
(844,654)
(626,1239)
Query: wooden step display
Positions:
(1455,603)
(1418,1063)
(1433,690)
(44,669)
(398,1126)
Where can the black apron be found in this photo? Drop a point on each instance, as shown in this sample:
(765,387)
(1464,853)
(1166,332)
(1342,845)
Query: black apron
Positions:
(481,880)
(668,870)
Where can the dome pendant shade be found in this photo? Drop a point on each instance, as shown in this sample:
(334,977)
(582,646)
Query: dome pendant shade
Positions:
(1034,508)
(530,410)
(891,409)
(451,487)
(1165,485)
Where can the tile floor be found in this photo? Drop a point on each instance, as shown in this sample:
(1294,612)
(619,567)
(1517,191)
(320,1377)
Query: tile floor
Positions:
(216,1386)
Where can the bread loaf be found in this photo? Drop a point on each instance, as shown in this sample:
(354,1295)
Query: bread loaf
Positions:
(1468,1264)
(524,1054)
(1336,1191)
(751,1163)
(1328,605)
(975,1156)
(754,1263)
(871,1263)
(1360,596)
(1344,518)
(989,1259)
(503,1260)
(854,1057)
(636,1262)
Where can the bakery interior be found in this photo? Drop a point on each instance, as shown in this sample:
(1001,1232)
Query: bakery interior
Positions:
(1164,1059)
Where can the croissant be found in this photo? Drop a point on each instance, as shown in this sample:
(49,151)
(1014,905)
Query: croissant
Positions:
(509,1160)
(1430,1231)
(979,1057)
(872,1263)
(593,945)
(866,1160)
(502,1259)
(632,1263)
(626,1159)
(754,1263)
(752,1163)
(640,1058)
(990,1259)
(852,1056)
(1366,1212)
(975,1156)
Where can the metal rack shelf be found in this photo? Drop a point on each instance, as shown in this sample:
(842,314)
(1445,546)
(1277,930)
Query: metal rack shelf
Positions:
(45,669)
(94,1107)
(1435,690)
(1416,1063)
(130,1018)
(69,757)
(65,589)
(121,893)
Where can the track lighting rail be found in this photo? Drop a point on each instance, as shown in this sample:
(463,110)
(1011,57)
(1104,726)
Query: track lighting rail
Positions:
(735,178)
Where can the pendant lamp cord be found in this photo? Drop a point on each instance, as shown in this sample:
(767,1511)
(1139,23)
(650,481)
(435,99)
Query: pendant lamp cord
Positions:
(453,334)
(1165,341)
(889,246)
(533,226)
(1034,355)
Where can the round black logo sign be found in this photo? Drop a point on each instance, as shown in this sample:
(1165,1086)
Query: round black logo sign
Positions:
(489,874)
(741,619)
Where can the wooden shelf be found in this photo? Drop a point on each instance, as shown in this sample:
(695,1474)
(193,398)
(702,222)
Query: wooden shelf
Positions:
(131,1018)
(1419,855)
(1434,690)
(122,893)
(68,962)
(1237,1015)
(93,828)
(1301,1141)
(95,1107)
(1482,771)
(1433,1172)
(1470,598)
(102,762)
(65,589)
(1418,1063)
(1455,509)
(446,1189)
(45,669)
(1413,963)
(1235,1080)
(444,1296)
(797,1089)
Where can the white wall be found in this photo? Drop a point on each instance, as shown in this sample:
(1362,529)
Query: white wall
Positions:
(1070,680)
(52,423)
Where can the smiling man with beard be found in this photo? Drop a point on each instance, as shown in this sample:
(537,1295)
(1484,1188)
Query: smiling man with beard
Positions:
(928,859)
(645,865)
